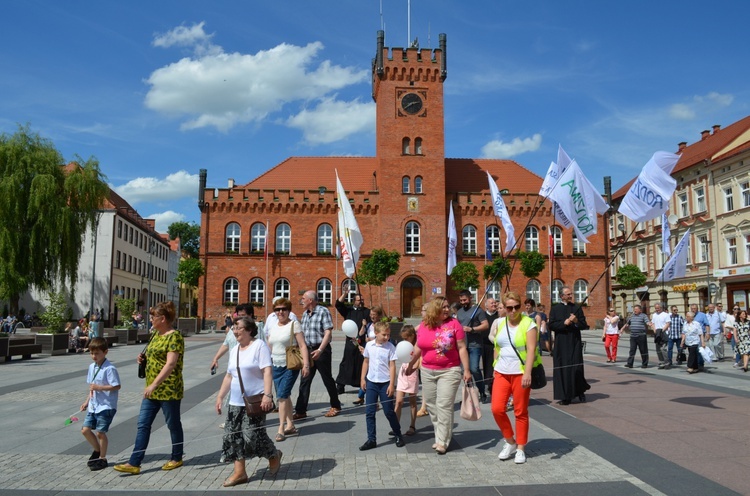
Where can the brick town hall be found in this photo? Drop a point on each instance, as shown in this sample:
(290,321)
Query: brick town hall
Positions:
(400,199)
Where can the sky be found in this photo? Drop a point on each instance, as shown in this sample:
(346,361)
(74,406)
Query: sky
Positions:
(156,91)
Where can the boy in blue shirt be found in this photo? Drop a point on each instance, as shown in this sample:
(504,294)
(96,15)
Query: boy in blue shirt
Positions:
(101,402)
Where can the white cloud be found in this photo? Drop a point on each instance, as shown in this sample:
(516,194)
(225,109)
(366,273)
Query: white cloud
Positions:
(499,149)
(153,189)
(219,89)
(164,219)
(334,120)
(715,99)
(183,36)
(680,111)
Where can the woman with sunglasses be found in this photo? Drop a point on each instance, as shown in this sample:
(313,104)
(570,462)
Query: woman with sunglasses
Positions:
(441,344)
(512,335)
(611,335)
(279,336)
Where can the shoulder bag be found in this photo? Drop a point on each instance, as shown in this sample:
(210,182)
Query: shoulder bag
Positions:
(144,358)
(538,376)
(470,402)
(252,403)
(294,359)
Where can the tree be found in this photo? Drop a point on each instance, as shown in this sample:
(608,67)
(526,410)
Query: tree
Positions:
(190,271)
(499,268)
(630,276)
(381,265)
(126,307)
(55,315)
(45,209)
(190,236)
(465,275)
(532,263)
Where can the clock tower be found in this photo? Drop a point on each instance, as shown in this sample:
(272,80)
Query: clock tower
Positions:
(407,86)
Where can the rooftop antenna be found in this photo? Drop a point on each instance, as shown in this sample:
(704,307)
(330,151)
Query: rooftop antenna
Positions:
(429,36)
(382,23)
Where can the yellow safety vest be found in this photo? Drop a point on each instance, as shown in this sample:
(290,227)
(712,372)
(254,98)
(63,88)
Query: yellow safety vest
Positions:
(519,339)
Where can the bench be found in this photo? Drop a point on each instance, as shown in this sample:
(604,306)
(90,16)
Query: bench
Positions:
(24,350)
(111,340)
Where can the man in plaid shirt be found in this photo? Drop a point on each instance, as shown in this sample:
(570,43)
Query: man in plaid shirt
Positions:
(317,327)
(674,335)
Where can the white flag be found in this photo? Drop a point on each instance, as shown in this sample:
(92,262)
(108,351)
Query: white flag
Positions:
(665,234)
(452,240)
(579,201)
(350,237)
(676,266)
(649,195)
(500,211)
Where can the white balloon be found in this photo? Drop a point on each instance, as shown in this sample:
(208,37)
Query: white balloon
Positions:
(350,328)
(404,350)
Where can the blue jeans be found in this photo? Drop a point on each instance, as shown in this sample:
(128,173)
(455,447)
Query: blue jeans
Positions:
(379,391)
(475,353)
(149,409)
(670,344)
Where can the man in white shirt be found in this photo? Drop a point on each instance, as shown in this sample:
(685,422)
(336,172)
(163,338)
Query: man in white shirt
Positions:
(660,322)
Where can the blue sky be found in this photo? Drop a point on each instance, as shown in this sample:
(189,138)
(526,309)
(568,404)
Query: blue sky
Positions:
(158,90)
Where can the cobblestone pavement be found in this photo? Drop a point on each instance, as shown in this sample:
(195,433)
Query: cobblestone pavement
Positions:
(602,445)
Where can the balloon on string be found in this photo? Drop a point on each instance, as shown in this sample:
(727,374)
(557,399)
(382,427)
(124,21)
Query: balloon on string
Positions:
(350,328)
(404,350)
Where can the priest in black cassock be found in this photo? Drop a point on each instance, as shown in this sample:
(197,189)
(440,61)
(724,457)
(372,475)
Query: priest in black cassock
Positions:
(567,320)
(350,369)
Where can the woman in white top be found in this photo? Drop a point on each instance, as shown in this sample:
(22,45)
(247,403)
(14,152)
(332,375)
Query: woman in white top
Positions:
(279,336)
(511,377)
(245,436)
(611,335)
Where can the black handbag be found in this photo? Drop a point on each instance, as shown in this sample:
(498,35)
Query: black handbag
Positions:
(538,375)
(144,359)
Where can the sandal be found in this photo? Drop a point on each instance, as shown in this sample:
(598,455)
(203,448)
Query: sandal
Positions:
(233,482)
(332,412)
(422,413)
(291,432)
(411,431)
(280,437)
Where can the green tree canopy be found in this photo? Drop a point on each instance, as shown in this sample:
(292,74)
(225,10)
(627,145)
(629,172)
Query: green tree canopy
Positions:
(45,209)
(190,271)
(630,276)
(381,265)
(499,267)
(532,263)
(189,234)
(464,275)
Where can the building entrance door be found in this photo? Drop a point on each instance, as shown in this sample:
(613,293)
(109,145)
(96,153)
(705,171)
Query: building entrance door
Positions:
(411,297)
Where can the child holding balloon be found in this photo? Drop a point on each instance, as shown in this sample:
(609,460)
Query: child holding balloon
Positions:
(407,384)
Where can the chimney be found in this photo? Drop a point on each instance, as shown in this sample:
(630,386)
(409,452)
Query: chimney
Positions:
(231,183)
(705,134)
(203,173)
(681,146)
(716,127)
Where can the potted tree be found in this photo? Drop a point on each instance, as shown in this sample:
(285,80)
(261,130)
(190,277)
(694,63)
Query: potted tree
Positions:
(53,338)
(125,332)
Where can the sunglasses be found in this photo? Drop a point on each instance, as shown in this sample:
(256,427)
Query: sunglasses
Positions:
(512,308)
(279,309)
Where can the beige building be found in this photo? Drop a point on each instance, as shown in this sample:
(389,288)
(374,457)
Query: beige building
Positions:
(712,199)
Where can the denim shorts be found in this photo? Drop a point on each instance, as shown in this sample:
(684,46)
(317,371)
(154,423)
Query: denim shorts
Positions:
(283,380)
(99,421)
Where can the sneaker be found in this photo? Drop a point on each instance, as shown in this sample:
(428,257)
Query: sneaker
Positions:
(507,451)
(661,366)
(520,457)
(735,365)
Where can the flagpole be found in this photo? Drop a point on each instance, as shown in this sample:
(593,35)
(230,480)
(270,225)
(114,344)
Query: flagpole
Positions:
(267,282)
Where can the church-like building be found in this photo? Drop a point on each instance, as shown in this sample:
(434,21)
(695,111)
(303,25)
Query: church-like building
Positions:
(400,199)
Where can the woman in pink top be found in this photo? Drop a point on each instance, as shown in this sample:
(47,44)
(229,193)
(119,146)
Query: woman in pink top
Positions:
(442,346)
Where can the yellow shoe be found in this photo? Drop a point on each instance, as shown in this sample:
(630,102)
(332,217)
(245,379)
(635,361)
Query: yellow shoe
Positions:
(127,469)
(171,465)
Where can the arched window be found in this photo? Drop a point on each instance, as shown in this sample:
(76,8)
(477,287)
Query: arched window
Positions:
(579,247)
(418,146)
(258,238)
(281,289)
(557,240)
(231,291)
(283,239)
(233,237)
(557,286)
(532,239)
(493,239)
(325,291)
(469,240)
(580,290)
(349,295)
(257,290)
(412,237)
(418,184)
(405,181)
(405,145)
(534,290)
(494,290)
(325,239)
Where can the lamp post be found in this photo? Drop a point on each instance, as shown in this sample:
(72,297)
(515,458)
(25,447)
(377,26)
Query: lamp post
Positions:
(150,270)
(707,242)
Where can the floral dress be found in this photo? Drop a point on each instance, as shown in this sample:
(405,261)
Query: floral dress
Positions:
(742,335)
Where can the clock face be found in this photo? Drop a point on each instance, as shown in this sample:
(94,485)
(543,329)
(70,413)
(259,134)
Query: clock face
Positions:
(411,103)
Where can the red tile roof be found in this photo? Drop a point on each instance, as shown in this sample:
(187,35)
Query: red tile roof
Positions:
(711,148)
(469,175)
(304,173)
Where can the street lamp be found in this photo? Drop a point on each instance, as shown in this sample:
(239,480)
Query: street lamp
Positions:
(707,242)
